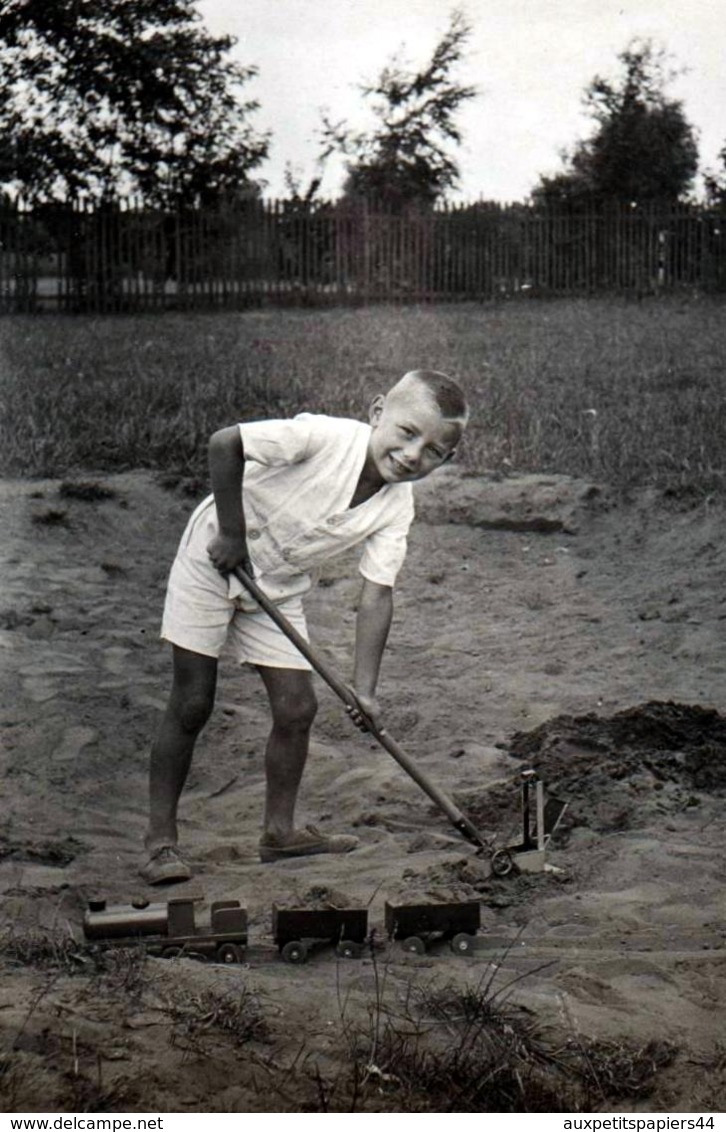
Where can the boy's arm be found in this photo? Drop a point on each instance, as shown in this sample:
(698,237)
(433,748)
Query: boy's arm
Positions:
(226,468)
(375,611)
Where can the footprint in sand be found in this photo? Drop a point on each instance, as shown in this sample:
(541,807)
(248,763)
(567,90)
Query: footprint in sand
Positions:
(73,741)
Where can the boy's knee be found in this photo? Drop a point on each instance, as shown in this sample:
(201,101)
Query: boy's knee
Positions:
(192,710)
(296,713)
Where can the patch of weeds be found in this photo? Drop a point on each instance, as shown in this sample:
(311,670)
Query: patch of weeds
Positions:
(199,1021)
(85,490)
(9,1080)
(89,1094)
(41,1067)
(52,517)
(120,970)
(713,1060)
(473,1049)
(619,1070)
(56,853)
(44,949)
(453,1050)
(18,1081)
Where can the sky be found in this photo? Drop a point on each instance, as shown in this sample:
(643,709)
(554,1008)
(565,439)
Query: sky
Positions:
(529,59)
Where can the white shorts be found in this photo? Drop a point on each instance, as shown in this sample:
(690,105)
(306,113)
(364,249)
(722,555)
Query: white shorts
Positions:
(199,616)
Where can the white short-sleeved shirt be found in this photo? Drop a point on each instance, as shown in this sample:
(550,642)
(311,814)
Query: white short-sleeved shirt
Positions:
(299,479)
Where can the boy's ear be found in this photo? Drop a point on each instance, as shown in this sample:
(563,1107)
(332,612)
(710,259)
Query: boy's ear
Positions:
(374,413)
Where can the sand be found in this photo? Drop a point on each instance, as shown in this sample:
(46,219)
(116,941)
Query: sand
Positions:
(537,624)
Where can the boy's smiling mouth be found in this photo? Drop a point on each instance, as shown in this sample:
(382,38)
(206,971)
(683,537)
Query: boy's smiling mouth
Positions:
(399,468)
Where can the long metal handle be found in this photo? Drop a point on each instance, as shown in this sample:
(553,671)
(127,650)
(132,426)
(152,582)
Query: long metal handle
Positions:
(442,800)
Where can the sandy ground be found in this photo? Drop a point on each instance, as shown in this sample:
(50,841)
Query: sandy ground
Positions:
(523,600)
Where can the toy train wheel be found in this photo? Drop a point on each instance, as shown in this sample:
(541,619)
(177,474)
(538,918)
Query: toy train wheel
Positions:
(462,943)
(229,953)
(171,952)
(501,863)
(415,945)
(295,952)
(348,949)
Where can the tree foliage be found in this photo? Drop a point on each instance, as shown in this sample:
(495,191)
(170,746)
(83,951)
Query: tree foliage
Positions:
(405,158)
(643,148)
(99,97)
(715,182)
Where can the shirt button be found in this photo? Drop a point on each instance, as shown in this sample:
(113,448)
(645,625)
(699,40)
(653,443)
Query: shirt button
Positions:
(253,533)
(334,520)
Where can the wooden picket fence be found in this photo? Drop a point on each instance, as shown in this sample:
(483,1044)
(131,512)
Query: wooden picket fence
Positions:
(127,257)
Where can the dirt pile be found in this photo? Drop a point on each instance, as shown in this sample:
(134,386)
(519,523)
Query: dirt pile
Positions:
(681,743)
(616,772)
(319,897)
(517,502)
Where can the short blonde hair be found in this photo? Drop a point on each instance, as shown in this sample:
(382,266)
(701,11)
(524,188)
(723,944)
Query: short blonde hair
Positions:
(445,391)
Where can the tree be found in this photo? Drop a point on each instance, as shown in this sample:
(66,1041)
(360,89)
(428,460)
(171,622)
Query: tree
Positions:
(100,97)
(643,147)
(405,158)
(716,183)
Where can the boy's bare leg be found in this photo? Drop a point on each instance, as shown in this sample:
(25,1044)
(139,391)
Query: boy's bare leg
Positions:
(190,704)
(293,705)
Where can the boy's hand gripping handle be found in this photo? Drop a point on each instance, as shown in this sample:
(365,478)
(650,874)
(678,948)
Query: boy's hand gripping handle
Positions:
(454,814)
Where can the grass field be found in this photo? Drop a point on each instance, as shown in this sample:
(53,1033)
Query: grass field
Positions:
(630,393)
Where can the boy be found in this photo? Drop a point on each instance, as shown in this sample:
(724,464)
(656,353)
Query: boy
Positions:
(287,496)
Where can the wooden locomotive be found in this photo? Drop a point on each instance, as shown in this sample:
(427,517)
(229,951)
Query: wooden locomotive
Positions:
(169,929)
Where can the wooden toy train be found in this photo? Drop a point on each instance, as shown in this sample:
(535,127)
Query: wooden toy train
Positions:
(170,929)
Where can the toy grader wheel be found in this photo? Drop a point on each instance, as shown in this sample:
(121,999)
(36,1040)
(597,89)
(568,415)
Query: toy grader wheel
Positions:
(501,863)
(295,952)
(414,945)
(229,953)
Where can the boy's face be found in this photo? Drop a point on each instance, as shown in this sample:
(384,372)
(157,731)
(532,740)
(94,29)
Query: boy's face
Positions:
(410,437)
